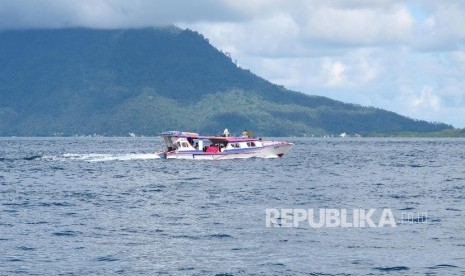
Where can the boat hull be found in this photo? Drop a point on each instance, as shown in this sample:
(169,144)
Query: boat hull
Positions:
(269,150)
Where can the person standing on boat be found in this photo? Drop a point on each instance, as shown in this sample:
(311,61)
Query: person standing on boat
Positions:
(226,132)
(247,133)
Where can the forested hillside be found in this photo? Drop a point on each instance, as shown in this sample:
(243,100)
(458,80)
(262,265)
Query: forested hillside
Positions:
(111,82)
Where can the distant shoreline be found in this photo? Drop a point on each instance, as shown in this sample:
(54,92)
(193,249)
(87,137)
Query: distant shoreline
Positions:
(459,133)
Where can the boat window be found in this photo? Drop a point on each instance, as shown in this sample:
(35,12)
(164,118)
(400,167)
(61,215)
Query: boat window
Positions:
(184,145)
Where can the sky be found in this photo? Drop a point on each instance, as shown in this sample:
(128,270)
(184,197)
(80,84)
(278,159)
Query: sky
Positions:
(403,56)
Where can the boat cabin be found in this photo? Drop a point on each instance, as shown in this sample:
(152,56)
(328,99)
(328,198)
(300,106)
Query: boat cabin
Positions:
(188,141)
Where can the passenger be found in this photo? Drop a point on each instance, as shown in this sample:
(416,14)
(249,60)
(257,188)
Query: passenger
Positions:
(212,149)
(226,132)
(244,133)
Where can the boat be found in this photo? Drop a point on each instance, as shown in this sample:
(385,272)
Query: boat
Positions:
(189,145)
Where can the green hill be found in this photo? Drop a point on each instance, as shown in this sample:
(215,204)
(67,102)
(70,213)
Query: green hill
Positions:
(111,82)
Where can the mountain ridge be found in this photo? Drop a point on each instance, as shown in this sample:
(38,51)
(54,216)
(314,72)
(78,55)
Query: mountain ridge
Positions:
(81,81)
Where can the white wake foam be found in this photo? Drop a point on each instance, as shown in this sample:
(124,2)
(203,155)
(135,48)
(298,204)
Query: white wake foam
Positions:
(104,157)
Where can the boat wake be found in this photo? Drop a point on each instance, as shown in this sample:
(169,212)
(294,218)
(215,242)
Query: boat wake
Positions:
(103,157)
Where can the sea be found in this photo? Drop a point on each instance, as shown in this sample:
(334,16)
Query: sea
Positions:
(109,206)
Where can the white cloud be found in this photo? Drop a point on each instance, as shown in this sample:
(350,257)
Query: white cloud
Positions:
(359,26)
(334,73)
(426,100)
(369,53)
(405,56)
(111,13)
(443,28)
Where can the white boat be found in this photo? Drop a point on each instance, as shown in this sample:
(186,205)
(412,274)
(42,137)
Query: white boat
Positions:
(188,145)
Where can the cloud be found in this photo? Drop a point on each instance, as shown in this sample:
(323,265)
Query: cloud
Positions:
(359,26)
(427,99)
(366,52)
(110,13)
(334,73)
(405,56)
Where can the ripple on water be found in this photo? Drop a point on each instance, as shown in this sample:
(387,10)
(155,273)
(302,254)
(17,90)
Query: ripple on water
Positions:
(440,266)
(129,214)
(67,233)
(392,268)
(107,259)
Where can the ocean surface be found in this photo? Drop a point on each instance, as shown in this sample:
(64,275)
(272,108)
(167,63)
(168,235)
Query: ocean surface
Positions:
(105,206)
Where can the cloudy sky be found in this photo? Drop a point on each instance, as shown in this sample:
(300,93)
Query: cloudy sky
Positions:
(404,56)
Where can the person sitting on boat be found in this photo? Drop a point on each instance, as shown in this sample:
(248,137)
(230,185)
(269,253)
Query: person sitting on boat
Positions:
(226,132)
(244,133)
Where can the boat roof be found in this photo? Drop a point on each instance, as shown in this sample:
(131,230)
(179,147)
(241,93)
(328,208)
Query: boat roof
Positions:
(213,138)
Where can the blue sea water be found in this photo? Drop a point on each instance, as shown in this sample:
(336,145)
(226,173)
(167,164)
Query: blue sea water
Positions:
(93,206)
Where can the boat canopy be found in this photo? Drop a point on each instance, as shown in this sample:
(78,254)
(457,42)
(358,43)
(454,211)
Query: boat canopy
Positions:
(214,139)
